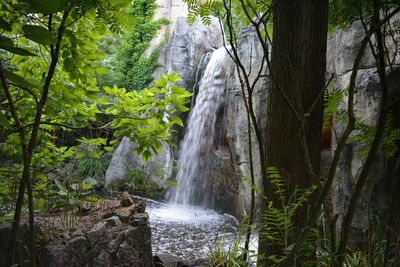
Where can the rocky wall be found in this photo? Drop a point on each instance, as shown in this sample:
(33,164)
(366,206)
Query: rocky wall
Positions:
(343,47)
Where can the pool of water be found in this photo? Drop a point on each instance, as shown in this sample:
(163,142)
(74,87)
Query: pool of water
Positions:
(188,232)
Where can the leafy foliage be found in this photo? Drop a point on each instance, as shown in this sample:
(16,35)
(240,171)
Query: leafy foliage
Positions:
(366,133)
(49,64)
(139,180)
(332,100)
(278,227)
(135,66)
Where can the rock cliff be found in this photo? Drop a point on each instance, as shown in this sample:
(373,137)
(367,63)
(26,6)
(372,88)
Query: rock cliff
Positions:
(342,49)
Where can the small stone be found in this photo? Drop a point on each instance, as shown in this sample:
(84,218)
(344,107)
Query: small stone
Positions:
(139,219)
(126,200)
(113,221)
(124,213)
(97,232)
(139,207)
(77,233)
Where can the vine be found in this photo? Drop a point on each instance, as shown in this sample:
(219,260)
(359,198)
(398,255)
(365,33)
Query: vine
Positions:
(135,66)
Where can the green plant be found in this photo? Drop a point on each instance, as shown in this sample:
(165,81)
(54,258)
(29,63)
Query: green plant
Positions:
(70,196)
(131,61)
(222,255)
(92,167)
(139,179)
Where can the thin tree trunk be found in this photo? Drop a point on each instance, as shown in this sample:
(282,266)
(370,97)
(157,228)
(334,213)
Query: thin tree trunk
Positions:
(28,148)
(380,127)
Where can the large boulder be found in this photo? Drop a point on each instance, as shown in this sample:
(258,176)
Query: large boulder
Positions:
(121,162)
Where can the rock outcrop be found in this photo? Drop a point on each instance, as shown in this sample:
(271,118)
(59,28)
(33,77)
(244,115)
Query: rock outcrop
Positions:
(236,122)
(108,235)
(375,200)
(121,162)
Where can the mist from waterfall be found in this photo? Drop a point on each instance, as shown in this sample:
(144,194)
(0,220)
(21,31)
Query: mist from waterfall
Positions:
(198,140)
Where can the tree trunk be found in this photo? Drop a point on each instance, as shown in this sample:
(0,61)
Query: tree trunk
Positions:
(295,105)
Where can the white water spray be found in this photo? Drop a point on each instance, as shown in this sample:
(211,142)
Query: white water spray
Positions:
(198,140)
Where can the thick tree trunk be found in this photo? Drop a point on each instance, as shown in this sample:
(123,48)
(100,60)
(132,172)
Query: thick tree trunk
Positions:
(295,106)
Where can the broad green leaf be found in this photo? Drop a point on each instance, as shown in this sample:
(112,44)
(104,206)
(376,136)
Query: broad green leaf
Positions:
(5,25)
(69,64)
(39,34)
(80,154)
(101,70)
(177,120)
(68,153)
(103,100)
(17,50)
(5,41)
(3,120)
(146,155)
(18,80)
(46,6)
(174,77)
(75,186)
(60,185)
(108,148)
(89,181)
(94,154)
(161,83)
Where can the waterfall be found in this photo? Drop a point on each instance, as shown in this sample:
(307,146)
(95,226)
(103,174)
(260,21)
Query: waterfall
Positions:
(198,142)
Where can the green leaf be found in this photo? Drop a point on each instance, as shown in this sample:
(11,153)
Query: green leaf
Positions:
(5,25)
(18,80)
(46,6)
(174,77)
(17,50)
(177,120)
(5,41)
(4,121)
(161,83)
(68,153)
(89,181)
(60,185)
(69,64)
(94,155)
(80,154)
(146,155)
(103,100)
(39,34)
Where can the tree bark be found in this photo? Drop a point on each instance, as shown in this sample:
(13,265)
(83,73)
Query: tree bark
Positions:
(295,103)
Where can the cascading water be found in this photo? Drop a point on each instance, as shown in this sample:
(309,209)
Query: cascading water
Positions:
(191,177)
(180,229)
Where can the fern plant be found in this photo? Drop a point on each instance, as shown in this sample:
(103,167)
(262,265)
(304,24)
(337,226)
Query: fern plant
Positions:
(365,134)
(278,227)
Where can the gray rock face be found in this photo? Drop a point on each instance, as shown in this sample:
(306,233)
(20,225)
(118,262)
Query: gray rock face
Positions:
(186,46)
(342,49)
(120,162)
(171,10)
(250,52)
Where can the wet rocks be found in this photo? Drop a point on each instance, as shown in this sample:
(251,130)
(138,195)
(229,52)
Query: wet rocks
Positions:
(107,236)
